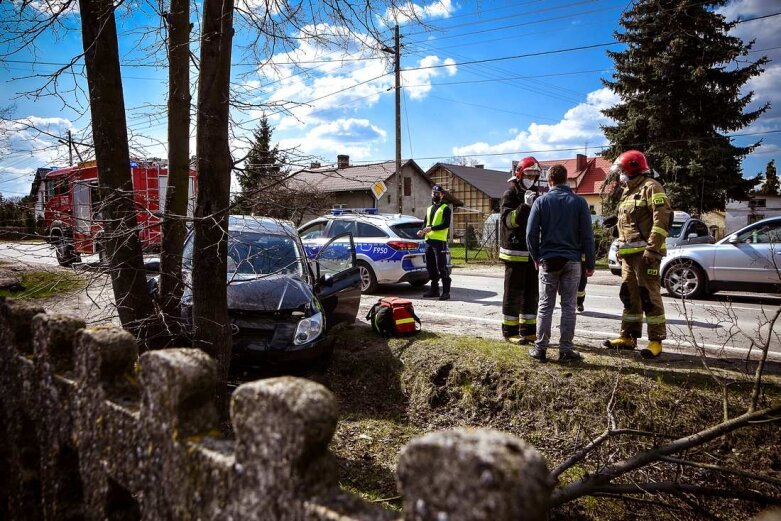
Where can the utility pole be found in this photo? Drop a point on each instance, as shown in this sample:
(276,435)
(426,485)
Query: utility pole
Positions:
(70,149)
(397,69)
(399,183)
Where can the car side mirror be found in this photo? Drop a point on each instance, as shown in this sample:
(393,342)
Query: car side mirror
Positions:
(733,239)
(692,236)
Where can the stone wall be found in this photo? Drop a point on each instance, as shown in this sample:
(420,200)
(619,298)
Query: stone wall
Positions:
(92,431)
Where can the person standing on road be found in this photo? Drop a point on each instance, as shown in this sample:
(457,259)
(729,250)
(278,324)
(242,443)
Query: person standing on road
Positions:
(643,222)
(436,230)
(519,302)
(558,234)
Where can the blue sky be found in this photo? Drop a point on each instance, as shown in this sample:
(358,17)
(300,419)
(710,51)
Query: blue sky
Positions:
(489,81)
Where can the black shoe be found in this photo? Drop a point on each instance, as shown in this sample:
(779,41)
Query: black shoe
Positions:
(538,354)
(580,308)
(445,296)
(570,355)
(431,292)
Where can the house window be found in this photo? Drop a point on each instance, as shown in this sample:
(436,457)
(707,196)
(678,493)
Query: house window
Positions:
(389,200)
(755,217)
(758,203)
(591,209)
(407,186)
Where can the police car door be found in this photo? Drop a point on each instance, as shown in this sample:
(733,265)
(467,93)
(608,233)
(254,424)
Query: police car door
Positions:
(338,286)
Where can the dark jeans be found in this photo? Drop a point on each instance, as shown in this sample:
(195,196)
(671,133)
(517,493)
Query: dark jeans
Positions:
(436,263)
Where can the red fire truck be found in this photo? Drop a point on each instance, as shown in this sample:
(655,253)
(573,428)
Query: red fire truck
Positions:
(71,211)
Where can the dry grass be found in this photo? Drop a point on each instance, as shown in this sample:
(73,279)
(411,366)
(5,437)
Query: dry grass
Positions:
(393,390)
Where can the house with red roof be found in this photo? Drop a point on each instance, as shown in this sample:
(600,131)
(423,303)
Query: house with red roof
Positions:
(585,176)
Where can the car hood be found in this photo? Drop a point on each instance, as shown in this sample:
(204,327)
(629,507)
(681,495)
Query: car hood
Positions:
(270,293)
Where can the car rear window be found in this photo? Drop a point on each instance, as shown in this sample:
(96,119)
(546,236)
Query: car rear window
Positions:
(408,230)
(368,230)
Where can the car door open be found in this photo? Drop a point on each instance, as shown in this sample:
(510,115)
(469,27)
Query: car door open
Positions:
(338,286)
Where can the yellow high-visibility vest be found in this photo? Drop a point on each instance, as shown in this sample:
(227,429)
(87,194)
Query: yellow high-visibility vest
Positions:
(437,235)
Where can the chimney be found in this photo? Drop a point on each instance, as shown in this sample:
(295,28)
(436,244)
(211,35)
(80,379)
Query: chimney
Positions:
(515,167)
(314,164)
(342,161)
(580,162)
(479,166)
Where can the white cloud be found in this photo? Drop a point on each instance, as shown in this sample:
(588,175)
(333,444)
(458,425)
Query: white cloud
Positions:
(418,82)
(410,11)
(27,144)
(580,124)
(355,137)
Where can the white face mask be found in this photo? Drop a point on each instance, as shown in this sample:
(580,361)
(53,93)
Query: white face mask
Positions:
(624,179)
(527,183)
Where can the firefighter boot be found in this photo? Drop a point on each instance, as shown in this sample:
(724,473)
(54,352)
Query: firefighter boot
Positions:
(514,339)
(432,292)
(622,342)
(528,339)
(653,349)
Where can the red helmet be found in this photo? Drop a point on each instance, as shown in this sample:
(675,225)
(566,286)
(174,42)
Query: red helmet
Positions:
(527,166)
(631,163)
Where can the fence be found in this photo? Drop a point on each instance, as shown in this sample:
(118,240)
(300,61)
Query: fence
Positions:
(92,431)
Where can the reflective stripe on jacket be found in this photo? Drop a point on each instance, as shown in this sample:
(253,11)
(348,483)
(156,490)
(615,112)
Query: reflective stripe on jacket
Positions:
(643,217)
(437,235)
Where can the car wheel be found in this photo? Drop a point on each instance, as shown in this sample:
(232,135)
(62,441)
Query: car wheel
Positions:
(66,255)
(616,272)
(418,283)
(368,278)
(684,279)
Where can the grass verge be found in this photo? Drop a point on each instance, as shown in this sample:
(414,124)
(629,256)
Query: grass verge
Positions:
(45,284)
(393,390)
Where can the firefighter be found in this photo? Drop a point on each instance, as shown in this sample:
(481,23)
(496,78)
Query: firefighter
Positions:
(643,223)
(521,284)
(436,233)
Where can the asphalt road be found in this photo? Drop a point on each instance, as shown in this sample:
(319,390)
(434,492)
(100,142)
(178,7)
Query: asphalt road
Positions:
(723,325)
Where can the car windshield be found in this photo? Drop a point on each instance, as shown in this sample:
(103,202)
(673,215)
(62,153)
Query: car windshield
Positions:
(262,254)
(408,230)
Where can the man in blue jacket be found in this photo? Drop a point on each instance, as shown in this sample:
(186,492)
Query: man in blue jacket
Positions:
(557,234)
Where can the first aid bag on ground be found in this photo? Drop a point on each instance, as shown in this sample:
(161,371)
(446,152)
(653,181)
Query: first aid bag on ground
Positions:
(393,316)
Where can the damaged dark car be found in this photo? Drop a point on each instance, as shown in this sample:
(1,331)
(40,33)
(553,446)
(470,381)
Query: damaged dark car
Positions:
(280,303)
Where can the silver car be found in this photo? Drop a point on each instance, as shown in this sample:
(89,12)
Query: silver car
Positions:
(684,230)
(387,247)
(747,260)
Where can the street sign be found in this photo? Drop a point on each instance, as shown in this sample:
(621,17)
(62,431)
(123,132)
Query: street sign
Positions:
(379,189)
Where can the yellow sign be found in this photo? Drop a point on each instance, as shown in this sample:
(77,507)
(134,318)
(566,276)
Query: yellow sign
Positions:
(378,189)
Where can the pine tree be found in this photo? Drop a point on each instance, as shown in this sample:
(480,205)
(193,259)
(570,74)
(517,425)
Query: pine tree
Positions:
(771,186)
(262,172)
(679,80)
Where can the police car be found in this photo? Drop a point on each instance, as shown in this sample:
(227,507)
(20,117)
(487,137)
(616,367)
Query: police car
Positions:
(387,247)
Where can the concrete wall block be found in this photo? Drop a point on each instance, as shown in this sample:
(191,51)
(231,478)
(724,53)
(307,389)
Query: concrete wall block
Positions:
(471,475)
(15,324)
(61,487)
(283,427)
(177,408)
(105,382)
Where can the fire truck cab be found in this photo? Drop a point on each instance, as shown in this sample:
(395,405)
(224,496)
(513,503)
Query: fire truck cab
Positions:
(70,207)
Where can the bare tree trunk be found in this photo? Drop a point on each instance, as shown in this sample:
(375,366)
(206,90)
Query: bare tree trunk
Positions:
(210,308)
(171,286)
(109,131)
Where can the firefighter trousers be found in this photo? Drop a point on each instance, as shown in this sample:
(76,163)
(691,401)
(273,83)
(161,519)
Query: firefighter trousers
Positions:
(521,296)
(641,294)
(582,284)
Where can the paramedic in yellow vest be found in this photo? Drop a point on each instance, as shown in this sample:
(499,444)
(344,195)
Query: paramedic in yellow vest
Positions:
(436,234)
(643,223)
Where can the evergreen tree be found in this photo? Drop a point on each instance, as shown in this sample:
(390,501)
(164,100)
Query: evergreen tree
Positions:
(262,172)
(679,81)
(771,186)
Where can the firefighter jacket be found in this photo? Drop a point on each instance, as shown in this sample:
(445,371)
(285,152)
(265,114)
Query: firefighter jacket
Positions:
(512,227)
(644,216)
